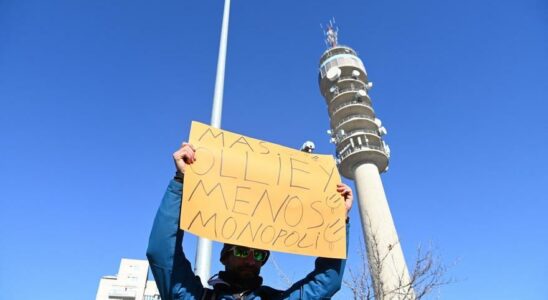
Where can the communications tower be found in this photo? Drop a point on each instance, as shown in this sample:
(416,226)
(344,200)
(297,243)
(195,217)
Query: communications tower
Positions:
(362,155)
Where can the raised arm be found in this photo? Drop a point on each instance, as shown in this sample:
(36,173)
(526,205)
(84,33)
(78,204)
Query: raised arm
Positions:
(171,269)
(326,278)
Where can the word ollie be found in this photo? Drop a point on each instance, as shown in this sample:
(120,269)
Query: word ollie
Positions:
(258,194)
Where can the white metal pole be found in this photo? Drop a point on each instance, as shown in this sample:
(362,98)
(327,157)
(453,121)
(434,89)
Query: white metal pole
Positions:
(202,264)
(217,109)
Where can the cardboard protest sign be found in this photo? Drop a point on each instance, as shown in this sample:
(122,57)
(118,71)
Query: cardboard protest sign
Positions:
(258,194)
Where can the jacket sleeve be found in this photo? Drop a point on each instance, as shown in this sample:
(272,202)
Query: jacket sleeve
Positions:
(171,269)
(323,282)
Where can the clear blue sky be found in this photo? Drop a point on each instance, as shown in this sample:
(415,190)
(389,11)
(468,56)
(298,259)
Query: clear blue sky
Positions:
(95,96)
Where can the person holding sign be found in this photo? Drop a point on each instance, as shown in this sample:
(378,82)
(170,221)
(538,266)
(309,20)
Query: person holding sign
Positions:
(240,280)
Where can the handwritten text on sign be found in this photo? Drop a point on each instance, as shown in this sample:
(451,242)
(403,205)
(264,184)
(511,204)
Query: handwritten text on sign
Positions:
(254,193)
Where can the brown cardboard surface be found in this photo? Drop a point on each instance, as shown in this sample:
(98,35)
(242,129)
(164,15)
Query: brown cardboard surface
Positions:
(258,194)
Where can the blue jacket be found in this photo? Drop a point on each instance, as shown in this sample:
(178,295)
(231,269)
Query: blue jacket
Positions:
(176,280)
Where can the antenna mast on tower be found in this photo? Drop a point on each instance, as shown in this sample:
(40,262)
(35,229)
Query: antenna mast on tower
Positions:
(331,34)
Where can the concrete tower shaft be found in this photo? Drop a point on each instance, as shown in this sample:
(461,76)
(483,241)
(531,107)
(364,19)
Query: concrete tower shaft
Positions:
(362,155)
(384,252)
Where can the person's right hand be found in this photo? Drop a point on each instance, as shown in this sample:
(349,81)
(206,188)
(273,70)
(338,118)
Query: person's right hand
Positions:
(186,155)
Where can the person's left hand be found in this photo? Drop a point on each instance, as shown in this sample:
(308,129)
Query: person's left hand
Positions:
(346,192)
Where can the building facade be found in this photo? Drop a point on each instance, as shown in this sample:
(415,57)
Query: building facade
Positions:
(131,283)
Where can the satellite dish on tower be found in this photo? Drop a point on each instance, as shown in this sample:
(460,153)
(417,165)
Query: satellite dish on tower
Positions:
(333,74)
(382,131)
(378,122)
(361,93)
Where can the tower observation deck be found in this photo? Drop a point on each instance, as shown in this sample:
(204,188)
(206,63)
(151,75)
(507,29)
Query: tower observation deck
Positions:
(355,129)
(362,155)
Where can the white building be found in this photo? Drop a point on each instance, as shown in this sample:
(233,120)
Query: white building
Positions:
(131,283)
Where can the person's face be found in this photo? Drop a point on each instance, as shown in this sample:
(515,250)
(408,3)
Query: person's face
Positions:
(245,262)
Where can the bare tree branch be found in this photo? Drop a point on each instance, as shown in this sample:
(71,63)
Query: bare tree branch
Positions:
(428,274)
(360,282)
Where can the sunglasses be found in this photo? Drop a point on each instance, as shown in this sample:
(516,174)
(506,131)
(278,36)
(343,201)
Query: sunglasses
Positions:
(243,252)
